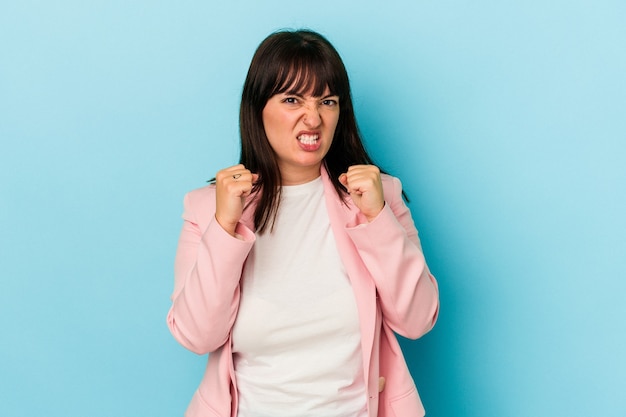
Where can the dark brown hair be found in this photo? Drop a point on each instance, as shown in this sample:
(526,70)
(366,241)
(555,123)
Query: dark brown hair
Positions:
(300,61)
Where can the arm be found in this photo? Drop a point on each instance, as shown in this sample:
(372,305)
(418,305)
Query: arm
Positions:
(391,250)
(207,271)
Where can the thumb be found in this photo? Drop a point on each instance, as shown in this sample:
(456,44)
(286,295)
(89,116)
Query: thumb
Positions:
(343,179)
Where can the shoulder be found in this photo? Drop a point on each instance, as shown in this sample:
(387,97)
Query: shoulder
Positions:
(201,194)
(392,187)
(389,180)
(199,204)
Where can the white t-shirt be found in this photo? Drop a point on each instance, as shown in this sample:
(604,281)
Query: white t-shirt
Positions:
(296,340)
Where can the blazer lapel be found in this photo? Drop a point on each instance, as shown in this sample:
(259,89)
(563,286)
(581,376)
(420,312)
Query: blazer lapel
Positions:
(362,285)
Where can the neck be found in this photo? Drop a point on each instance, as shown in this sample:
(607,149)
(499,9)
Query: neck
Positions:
(300,175)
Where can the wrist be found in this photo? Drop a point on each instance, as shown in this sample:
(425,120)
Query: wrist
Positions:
(371,217)
(228,227)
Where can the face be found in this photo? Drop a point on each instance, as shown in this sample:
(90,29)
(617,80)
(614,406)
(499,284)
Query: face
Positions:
(300,130)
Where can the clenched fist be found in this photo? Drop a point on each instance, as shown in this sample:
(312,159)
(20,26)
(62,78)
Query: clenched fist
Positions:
(233,185)
(366,189)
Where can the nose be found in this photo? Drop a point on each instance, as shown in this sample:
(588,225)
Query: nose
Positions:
(312,116)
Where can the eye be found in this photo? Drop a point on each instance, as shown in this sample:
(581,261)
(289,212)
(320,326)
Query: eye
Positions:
(329,102)
(290,100)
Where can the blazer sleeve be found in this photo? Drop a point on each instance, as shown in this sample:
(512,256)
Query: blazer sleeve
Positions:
(207,271)
(390,248)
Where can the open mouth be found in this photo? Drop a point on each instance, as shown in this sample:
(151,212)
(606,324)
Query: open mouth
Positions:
(308,139)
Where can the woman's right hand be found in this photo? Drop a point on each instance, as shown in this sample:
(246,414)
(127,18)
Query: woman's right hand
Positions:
(233,185)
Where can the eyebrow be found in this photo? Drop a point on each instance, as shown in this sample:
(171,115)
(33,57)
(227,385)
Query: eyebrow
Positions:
(299,95)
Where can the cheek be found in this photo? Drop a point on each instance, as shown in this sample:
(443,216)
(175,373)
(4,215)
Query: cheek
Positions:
(275,124)
(333,122)
(267,121)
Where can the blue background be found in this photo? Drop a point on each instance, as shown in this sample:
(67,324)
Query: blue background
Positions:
(505,120)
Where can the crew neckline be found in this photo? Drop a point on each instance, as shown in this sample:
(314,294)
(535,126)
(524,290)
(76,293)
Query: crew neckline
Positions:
(304,188)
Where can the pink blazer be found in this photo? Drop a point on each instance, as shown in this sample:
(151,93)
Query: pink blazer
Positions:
(394,290)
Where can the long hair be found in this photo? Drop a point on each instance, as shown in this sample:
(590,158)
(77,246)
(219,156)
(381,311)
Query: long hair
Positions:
(297,61)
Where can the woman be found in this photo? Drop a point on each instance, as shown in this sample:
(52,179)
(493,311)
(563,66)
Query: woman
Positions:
(297,266)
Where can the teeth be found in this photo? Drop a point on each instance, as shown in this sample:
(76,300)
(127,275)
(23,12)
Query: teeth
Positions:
(308,139)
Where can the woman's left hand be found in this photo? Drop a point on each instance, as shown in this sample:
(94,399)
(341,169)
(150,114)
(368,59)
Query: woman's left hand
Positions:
(366,189)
